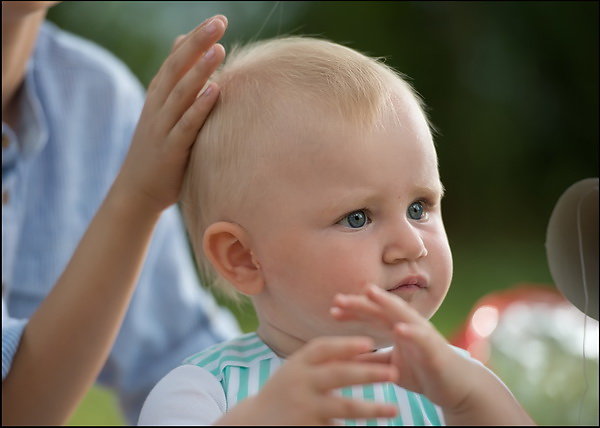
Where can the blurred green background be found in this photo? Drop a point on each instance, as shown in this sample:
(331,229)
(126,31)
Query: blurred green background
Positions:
(512,88)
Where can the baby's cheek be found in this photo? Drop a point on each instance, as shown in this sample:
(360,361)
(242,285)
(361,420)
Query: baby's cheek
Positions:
(438,248)
(445,262)
(441,266)
(348,273)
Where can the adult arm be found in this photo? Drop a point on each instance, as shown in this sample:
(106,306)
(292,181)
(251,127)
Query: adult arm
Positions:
(73,329)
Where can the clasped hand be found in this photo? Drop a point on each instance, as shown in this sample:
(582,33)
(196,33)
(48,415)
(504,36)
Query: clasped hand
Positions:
(424,361)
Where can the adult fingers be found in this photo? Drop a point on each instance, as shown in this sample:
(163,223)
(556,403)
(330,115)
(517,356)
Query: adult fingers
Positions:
(177,42)
(184,56)
(186,90)
(323,349)
(187,127)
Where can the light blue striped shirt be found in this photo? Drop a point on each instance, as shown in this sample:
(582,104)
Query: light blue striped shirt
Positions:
(79,106)
(242,366)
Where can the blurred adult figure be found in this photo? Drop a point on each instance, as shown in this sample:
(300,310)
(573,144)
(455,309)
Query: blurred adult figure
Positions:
(69,110)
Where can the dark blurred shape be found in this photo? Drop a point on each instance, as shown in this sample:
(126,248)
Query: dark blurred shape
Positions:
(572,245)
(542,347)
(512,87)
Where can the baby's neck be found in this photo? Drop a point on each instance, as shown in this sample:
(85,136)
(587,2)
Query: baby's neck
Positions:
(280,342)
(284,344)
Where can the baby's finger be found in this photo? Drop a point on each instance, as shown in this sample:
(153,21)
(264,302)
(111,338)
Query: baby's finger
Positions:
(338,375)
(394,307)
(341,314)
(347,408)
(323,349)
(182,58)
(186,91)
(357,305)
(425,340)
(382,357)
(186,128)
(372,321)
(426,349)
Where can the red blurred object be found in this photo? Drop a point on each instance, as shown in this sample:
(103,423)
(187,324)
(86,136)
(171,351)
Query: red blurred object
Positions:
(487,312)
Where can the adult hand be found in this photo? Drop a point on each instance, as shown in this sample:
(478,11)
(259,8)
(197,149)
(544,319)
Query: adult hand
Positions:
(173,113)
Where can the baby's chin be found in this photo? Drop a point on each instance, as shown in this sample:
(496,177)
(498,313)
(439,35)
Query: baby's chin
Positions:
(381,338)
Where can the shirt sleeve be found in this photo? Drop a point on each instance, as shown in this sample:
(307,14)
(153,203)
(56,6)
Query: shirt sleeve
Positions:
(188,395)
(12,329)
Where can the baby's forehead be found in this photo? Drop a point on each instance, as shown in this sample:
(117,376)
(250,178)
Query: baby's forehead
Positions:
(280,94)
(310,119)
(331,152)
(284,81)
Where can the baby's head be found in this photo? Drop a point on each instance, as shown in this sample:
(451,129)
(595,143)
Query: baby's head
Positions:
(316,174)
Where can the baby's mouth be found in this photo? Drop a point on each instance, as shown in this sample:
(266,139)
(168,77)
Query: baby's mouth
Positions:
(410,283)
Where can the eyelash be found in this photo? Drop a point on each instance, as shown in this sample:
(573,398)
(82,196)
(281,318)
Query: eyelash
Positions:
(425,202)
(364,210)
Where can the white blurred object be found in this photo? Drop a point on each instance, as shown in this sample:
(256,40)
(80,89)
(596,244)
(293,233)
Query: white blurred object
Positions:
(548,356)
(572,245)
(542,347)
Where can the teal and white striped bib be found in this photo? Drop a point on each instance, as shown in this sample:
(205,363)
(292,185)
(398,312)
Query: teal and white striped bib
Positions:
(243,365)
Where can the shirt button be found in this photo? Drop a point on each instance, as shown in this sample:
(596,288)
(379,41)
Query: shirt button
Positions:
(5,197)
(5,141)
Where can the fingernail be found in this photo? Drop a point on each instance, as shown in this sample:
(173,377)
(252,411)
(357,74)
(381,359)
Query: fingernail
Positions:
(208,90)
(400,327)
(178,39)
(209,54)
(340,298)
(211,27)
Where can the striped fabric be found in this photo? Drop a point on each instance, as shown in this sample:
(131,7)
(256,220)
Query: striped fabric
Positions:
(244,365)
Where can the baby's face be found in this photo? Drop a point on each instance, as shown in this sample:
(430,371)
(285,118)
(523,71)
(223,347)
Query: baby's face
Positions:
(343,210)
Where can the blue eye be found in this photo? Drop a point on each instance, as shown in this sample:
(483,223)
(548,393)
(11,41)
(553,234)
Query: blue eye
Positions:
(355,220)
(415,211)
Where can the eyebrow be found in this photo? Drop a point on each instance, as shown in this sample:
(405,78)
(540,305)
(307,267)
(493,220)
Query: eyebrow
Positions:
(437,189)
(347,201)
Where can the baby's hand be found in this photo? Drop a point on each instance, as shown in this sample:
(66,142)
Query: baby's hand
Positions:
(426,364)
(173,113)
(300,392)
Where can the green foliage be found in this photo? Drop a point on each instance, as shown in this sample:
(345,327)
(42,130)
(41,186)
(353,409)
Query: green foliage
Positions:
(99,407)
(512,88)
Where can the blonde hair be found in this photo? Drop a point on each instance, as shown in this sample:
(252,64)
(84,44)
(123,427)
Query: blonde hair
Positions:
(263,87)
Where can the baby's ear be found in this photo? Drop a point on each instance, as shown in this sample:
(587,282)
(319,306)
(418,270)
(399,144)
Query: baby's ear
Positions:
(226,245)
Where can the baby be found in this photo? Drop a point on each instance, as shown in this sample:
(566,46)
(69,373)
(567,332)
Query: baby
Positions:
(313,189)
